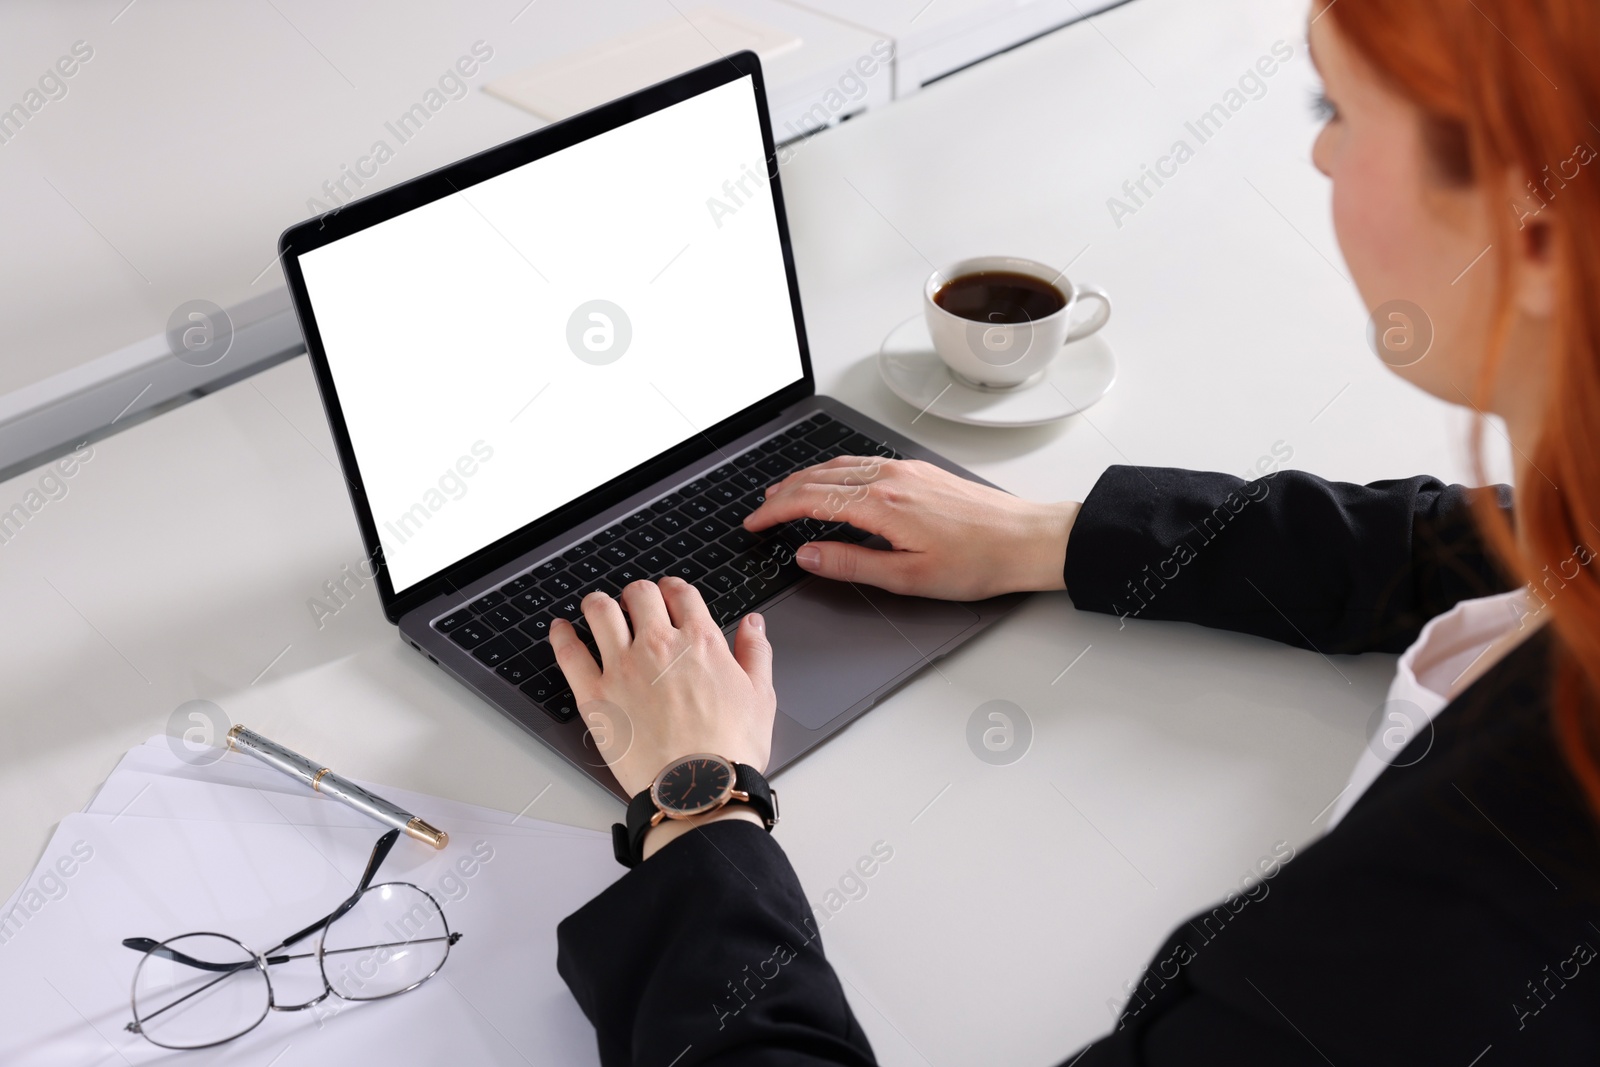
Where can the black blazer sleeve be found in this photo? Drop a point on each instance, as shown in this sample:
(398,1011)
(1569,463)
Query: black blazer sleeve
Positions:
(708,952)
(1324,565)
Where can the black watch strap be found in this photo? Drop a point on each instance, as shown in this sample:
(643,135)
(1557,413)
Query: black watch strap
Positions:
(627,839)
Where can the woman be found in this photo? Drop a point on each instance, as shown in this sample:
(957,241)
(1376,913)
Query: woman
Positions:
(1452,915)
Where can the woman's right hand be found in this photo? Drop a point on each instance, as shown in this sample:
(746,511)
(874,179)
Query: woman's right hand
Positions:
(953,539)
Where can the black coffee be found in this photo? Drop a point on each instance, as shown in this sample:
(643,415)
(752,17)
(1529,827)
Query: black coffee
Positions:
(1000,296)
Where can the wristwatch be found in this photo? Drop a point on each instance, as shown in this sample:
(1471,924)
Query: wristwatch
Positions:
(693,785)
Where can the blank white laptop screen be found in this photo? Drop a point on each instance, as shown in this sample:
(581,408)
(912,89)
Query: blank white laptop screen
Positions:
(504,350)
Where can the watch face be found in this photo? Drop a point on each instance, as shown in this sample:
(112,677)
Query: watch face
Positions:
(693,785)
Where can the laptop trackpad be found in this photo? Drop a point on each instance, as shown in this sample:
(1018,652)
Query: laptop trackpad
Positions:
(834,644)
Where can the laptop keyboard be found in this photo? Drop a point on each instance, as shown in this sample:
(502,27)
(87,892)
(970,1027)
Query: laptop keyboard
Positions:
(695,532)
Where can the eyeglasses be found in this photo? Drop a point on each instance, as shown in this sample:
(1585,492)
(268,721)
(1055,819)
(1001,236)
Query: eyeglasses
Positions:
(203,989)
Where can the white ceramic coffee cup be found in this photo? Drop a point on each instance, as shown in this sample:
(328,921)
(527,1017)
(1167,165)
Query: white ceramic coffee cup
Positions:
(1001,356)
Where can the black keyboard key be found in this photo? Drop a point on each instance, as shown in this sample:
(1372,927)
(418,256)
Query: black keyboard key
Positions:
(561,585)
(614,555)
(627,574)
(775,465)
(724,471)
(687,569)
(722,580)
(495,651)
(471,634)
(731,517)
(451,622)
(547,568)
(503,617)
(749,480)
(485,602)
(695,488)
(519,584)
(536,626)
(666,504)
(682,544)
(568,608)
(587,571)
(723,494)
(821,418)
(859,444)
(543,685)
(713,555)
(707,530)
(542,657)
(608,535)
(517,671)
(696,509)
(747,459)
(671,522)
(636,520)
(800,452)
(771,445)
(809,529)
(646,537)
(577,552)
(533,600)
(655,562)
(829,435)
(790,534)
(726,609)
(562,707)
(739,539)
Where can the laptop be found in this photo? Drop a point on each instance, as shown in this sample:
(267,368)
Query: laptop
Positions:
(576,360)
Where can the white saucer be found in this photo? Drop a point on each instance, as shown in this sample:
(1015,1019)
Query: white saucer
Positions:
(1084,372)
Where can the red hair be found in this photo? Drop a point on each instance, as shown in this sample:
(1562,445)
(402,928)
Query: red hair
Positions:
(1507,87)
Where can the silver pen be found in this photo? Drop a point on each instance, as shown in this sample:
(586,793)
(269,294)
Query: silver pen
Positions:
(322,780)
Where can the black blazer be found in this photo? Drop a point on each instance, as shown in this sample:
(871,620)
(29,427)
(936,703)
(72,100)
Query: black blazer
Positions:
(1452,917)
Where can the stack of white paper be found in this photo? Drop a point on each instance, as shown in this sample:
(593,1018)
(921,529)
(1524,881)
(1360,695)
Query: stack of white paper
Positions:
(168,848)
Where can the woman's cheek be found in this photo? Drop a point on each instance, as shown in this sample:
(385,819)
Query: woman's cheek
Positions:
(1374,216)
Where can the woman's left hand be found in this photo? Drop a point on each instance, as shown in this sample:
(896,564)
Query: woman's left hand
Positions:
(668,687)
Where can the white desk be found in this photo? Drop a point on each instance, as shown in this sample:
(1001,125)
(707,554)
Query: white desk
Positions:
(1164,763)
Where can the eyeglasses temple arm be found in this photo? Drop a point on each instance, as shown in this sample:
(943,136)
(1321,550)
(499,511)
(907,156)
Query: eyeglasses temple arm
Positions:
(380,852)
(156,948)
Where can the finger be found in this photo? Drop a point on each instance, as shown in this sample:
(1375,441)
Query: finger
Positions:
(610,629)
(686,605)
(753,651)
(580,669)
(828,470)
(884,568)
(829,503)
(646,610)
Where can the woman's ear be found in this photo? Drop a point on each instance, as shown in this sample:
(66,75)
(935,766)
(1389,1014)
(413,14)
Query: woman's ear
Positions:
(1534,256)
